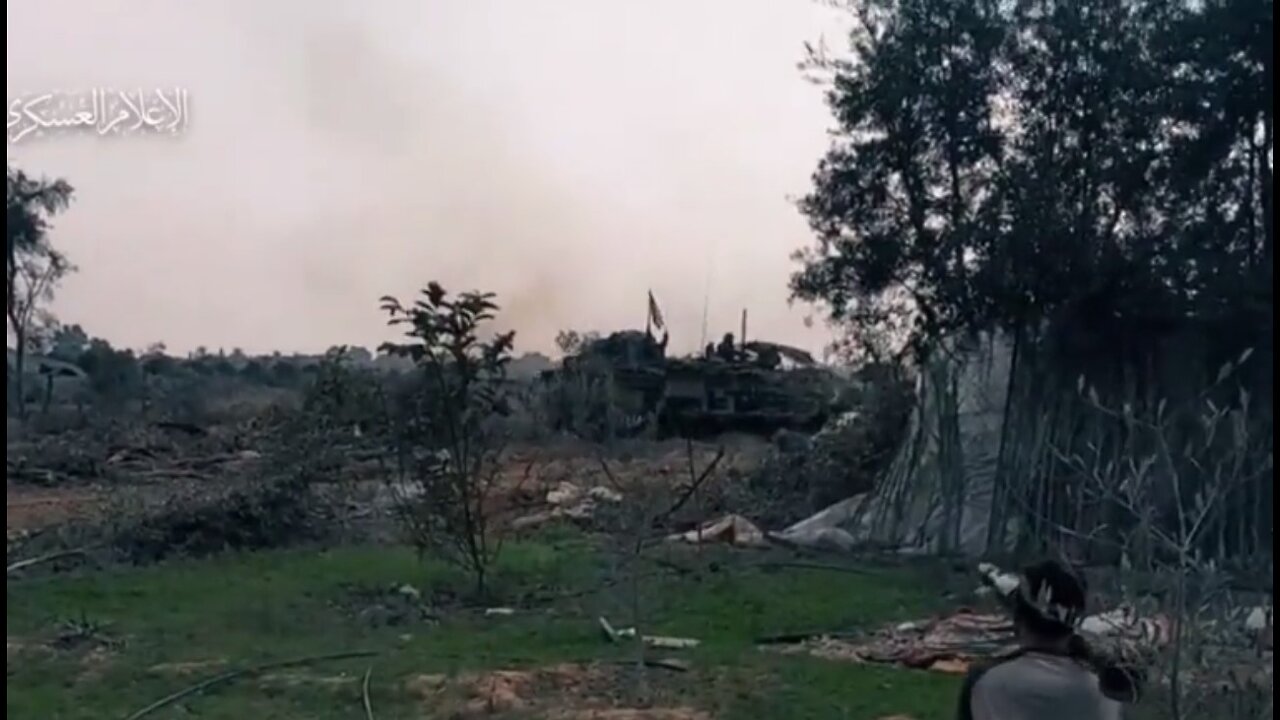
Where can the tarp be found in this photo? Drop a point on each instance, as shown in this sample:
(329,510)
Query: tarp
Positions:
(937,494)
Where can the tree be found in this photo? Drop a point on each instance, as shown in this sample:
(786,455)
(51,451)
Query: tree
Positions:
(255,371)
(68,343)
(283,372)
(344,395)
(1092,178)
(450,436)
(1100,166)
(34,267)
(115,375)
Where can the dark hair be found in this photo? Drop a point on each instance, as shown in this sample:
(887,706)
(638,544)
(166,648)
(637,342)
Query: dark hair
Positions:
(1119,681)
(1066,590)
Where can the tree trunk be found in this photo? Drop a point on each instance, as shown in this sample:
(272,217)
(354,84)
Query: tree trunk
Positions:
(20,371)
(48,394)
(1267,191)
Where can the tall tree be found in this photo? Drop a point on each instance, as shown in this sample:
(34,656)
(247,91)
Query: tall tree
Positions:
(1073,162)
(896,201)
(34,267)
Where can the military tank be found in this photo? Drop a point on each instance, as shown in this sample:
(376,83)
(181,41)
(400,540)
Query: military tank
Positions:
(625,382)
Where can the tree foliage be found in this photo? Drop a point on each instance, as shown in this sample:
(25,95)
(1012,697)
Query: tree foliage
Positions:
(450,436)
(115,374)
(33,266)
(1101,163)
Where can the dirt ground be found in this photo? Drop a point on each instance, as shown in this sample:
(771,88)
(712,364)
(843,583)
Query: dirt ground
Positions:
(560,692)
(28,509)
(531,472)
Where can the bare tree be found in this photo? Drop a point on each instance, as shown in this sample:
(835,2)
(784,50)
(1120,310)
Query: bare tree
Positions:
(1172,500)
(642,517)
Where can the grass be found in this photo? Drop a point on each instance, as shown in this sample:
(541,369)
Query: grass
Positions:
(245,609)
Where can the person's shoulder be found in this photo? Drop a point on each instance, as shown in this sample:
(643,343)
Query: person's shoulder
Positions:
(979,670)
(976,673)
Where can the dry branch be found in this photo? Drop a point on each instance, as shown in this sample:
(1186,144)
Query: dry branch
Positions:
(244,672)
(30,562)
(364,694)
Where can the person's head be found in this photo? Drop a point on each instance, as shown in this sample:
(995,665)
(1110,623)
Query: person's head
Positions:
(1049,603)
(1047,607)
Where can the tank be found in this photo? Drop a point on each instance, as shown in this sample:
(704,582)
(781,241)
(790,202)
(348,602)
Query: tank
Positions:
(627,384)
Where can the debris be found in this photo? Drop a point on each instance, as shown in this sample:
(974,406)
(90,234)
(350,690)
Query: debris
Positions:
(499,612)
(563,494)
(946,644)
(569,501)
(670,643)
(656,641)
(567,494)
(601,493)
(732,530)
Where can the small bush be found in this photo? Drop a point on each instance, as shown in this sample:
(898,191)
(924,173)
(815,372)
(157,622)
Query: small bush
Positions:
(450,433)
(808,473)
(271,515)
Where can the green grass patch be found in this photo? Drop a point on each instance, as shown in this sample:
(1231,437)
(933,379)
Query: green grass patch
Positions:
(252,608)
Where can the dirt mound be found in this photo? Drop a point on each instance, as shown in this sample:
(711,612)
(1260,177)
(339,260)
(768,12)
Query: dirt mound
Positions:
(558,692)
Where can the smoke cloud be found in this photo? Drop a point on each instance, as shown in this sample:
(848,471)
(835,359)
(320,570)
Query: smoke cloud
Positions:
(567,155)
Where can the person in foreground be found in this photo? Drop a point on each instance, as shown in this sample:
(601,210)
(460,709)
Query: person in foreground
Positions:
(1051,676)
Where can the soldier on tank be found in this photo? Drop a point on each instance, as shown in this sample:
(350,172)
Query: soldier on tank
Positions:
(726,351)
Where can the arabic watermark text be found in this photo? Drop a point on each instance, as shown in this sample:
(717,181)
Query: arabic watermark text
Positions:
(106,112)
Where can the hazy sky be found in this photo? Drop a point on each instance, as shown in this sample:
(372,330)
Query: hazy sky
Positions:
(565,154)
